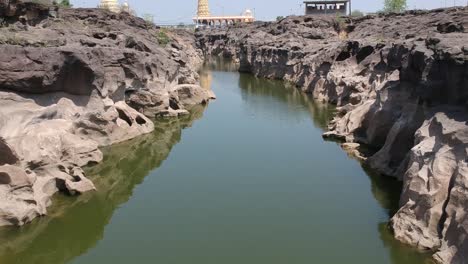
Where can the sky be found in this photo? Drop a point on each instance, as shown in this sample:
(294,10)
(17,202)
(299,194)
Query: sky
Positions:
(177,11)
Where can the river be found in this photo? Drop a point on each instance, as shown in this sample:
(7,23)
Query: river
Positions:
(248,179)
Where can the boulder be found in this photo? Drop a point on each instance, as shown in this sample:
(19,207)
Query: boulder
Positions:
(189,94)
(14,177)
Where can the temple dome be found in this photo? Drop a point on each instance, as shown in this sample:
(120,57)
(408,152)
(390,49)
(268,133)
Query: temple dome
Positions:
(126,8)
(248,12)
(111,5)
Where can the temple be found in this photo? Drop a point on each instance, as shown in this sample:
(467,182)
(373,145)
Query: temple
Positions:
(203,8)
(205,18)
(331,7)
(114,6)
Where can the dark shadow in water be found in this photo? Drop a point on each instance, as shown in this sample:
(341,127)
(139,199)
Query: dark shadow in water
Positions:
(399,252)
(76,224)
(386,191)
(320,113)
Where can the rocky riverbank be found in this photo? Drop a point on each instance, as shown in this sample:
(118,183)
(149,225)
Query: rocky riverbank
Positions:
(73,80)
(115,185)
(400,82)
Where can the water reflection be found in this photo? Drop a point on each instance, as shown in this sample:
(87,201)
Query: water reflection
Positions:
(296,205)
(386,190)
(288,95)
(220,64)
(76,224)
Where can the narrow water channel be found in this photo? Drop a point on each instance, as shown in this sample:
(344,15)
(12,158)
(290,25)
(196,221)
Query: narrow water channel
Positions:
(247,179)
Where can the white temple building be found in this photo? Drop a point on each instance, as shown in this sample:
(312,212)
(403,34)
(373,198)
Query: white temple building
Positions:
(114,6)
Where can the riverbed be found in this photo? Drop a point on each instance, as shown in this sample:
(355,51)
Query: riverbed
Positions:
(246,179)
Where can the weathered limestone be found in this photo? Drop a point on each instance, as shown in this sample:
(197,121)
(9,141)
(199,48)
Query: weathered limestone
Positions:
(115,188)
(434,193)
(18,201)
(400,90)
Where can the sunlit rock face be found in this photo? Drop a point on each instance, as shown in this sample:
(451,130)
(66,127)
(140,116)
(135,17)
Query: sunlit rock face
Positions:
(114,186)
(68,81)
(401,91)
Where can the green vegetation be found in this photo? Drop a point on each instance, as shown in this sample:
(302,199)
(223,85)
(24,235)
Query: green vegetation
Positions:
(278,18)
(340,23)
(65,3)
(340,26)
(61,3)
(162,37)
(357,13)
(42,2)
(394,6)
(148,18)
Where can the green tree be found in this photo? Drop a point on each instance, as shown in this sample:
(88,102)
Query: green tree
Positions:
(278,18)
(42,2)
(395,6)
(65,3)
(357,13)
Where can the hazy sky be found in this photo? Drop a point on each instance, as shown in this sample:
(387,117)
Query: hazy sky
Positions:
(175,11)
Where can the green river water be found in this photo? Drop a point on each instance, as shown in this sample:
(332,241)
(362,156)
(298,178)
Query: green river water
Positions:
(247,179)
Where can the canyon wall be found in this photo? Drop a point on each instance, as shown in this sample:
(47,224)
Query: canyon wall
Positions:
(400,82)
(73,80)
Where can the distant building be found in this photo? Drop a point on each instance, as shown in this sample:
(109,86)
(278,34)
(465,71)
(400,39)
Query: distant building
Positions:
(205,18)
(330,7)
(114,6)
(126,8)
(111,5)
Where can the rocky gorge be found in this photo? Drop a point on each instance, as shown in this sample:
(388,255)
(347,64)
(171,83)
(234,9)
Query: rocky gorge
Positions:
(75,80)
(400,82)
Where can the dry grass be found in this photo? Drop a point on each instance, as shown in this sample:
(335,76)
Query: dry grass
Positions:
(343,35)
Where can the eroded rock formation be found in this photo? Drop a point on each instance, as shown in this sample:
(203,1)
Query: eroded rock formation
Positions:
(114,188)
(400,82)
(72,80)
